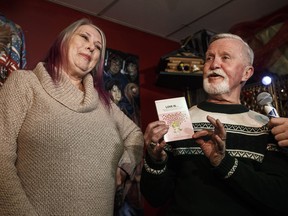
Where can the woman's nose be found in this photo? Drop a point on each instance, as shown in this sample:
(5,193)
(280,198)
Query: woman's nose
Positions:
(91,47)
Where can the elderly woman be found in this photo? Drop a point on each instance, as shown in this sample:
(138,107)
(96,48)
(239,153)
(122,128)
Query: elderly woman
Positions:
(62,138)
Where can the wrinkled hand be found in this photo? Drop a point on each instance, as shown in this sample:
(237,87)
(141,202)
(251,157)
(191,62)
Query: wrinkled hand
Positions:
(280,130)
(214,143)
(153,138)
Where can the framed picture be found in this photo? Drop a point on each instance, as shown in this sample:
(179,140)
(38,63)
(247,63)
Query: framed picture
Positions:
(121,79)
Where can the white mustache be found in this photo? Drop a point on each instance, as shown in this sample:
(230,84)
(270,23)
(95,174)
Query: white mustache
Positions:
(219,72)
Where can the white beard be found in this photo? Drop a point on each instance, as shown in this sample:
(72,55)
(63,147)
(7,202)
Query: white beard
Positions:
(219,88)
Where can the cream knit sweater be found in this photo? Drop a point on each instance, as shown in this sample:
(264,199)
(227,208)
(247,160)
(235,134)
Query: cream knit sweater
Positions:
(60,147)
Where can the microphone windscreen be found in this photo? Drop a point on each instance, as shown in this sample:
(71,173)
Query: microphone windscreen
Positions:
(264,98)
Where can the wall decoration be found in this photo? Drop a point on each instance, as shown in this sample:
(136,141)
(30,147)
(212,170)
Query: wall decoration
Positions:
(121,78)
(12,48)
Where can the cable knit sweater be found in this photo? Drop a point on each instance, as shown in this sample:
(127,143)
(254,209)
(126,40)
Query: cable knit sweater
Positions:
(60,147)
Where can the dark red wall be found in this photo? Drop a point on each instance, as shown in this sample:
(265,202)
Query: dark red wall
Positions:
(41,22)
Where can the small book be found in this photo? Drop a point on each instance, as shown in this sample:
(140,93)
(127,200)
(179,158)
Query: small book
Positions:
(174,112)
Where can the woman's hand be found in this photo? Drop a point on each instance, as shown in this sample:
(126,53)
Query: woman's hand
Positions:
(154,142)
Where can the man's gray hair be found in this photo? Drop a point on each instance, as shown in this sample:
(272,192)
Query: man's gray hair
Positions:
(250,53)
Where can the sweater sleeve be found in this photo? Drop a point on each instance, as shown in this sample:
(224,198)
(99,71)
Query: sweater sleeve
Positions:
(265,187)
(157,180)
(132,139)
(15,97)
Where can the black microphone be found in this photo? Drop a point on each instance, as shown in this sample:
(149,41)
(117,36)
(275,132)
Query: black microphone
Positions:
(265,99)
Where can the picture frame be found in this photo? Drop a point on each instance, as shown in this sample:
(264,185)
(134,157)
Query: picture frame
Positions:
(121,80)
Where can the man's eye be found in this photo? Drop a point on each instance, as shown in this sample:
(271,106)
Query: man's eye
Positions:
(208,58)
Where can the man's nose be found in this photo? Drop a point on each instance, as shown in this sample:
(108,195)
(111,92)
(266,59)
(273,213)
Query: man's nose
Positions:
(215,63)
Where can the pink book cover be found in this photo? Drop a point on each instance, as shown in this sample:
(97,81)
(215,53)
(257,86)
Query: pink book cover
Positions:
(174,112)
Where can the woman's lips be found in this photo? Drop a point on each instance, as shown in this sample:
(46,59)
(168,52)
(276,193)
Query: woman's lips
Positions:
(88,57)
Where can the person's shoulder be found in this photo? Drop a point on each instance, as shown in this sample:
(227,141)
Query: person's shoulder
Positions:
(21,74)
(258,116)
(193,108)
(21,78)
(19,82)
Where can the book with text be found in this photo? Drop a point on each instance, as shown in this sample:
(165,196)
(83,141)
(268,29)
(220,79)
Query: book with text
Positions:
(174,112)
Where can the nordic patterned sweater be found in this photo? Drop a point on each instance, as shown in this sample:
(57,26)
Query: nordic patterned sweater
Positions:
(252,179)
(60,147)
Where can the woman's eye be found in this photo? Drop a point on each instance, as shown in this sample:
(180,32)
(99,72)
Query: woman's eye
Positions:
(84,36)
(98,47)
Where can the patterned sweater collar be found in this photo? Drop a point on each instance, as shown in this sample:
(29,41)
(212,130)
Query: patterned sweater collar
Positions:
(66,93)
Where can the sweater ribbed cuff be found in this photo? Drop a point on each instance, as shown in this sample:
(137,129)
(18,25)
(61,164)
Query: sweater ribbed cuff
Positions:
(227,167)
(155,164)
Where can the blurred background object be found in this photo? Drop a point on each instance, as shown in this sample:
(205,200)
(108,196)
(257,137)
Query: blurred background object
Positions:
(12,48)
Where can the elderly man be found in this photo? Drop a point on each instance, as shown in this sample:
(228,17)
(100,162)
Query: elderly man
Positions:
(233,164)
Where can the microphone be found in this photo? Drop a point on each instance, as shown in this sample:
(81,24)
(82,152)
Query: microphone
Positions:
(265,99)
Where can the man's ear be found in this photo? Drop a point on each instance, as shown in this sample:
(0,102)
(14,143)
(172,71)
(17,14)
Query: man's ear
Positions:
(248,72)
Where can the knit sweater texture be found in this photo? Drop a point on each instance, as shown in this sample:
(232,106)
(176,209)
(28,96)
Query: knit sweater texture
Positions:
(251,179)
(60,147)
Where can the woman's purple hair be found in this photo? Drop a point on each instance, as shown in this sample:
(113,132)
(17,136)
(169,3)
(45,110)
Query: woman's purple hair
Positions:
(57,58)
